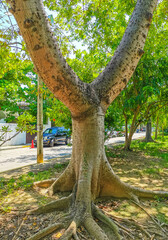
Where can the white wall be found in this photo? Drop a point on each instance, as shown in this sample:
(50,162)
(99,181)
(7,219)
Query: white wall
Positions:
(18,140)
(48,125)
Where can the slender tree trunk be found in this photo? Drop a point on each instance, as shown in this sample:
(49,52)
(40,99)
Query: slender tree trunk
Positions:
(156,130)
(126,128)
(40,122)
(162,131)
(132,130)
(129,139)
(148,137)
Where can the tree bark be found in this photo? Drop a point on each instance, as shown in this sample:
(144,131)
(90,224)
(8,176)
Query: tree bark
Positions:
(132,129)
(126,127)
(87,153)
(156,130)
(148,137)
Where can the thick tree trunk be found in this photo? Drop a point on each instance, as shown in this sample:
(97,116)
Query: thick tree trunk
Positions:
(148,137)
(87,155)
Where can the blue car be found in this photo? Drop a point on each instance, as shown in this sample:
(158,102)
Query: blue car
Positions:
(54,135)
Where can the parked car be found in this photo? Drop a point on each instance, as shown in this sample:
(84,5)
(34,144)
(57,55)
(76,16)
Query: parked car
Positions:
(143,129)
(54,135)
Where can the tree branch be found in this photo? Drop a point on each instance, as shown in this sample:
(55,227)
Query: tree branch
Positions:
(10,138)
(119,70)
(47,58)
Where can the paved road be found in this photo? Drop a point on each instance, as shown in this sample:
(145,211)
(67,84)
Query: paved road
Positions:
(14,158)
(122,139)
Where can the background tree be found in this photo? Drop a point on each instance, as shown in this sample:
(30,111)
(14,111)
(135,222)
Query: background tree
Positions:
(145,93)
(88,174)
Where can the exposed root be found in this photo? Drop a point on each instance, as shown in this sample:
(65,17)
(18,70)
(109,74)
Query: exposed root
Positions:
(76,218)
(45,183)
(82,236)
(71,231)
(81,208)
(134,197)
(100,215)
(59,204)
(112,186)
(127,231)
(75,236)
(157,224)
(142,193)
(94,230)
(46,231)
(65,182)
(132,221)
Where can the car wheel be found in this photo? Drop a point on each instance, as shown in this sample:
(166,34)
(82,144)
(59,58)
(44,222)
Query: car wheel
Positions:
(66,141)
(51,143)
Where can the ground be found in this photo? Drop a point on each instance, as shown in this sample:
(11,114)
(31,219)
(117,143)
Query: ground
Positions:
(146,166)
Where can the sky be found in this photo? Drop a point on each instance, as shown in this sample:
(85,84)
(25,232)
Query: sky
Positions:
(9,25)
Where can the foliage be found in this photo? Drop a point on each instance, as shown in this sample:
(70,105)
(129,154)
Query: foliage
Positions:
(4,130)
(57,112)
(147,91)
(25,122)
(15,85)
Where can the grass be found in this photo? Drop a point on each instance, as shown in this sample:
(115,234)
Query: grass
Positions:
(26,181)
(147,167)
(159,148)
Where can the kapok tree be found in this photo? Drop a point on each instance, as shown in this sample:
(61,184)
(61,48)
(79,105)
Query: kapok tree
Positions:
(89,174)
